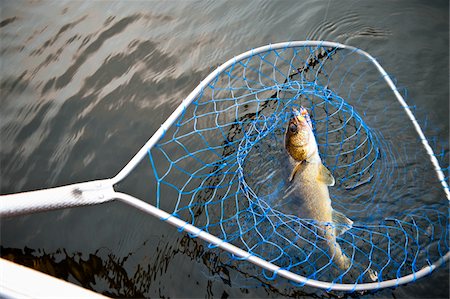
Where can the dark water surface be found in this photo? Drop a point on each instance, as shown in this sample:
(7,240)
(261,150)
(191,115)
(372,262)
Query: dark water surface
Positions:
(85,84)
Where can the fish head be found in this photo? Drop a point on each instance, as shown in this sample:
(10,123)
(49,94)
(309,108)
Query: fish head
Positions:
(299,135)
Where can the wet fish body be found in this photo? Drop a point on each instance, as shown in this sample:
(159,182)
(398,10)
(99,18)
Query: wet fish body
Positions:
(310,179)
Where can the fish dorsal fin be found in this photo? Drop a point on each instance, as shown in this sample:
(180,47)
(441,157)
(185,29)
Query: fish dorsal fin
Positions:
(343,224)
(294,171)
(325,176)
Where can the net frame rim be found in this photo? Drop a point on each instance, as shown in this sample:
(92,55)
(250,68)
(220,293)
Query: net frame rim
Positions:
(247,256)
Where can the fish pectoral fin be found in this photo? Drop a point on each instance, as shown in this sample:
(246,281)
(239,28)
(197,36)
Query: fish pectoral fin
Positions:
(325,176)
(343,223)
(294,171)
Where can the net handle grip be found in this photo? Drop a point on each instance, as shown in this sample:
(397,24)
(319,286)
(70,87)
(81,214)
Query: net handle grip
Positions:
(75,195)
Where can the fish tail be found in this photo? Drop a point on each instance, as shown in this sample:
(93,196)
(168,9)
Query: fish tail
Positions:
(342,260)
(339,258)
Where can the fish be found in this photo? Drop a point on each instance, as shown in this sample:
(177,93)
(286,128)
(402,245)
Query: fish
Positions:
(310,180)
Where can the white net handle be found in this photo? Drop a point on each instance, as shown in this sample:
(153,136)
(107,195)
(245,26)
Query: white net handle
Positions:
(76,195)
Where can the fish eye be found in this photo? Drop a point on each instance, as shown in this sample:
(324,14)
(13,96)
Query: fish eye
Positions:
(293,128)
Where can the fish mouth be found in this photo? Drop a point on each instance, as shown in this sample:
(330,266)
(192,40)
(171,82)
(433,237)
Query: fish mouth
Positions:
(301,116)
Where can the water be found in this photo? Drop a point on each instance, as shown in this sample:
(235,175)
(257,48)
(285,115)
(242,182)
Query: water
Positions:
(84,85)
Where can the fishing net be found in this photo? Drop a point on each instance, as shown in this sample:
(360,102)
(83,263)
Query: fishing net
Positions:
(222,167)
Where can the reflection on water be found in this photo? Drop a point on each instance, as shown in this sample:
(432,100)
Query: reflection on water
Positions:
(120,276)
(84,85)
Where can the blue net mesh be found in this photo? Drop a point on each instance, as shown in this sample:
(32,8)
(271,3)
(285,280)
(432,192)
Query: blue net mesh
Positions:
(222,167)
